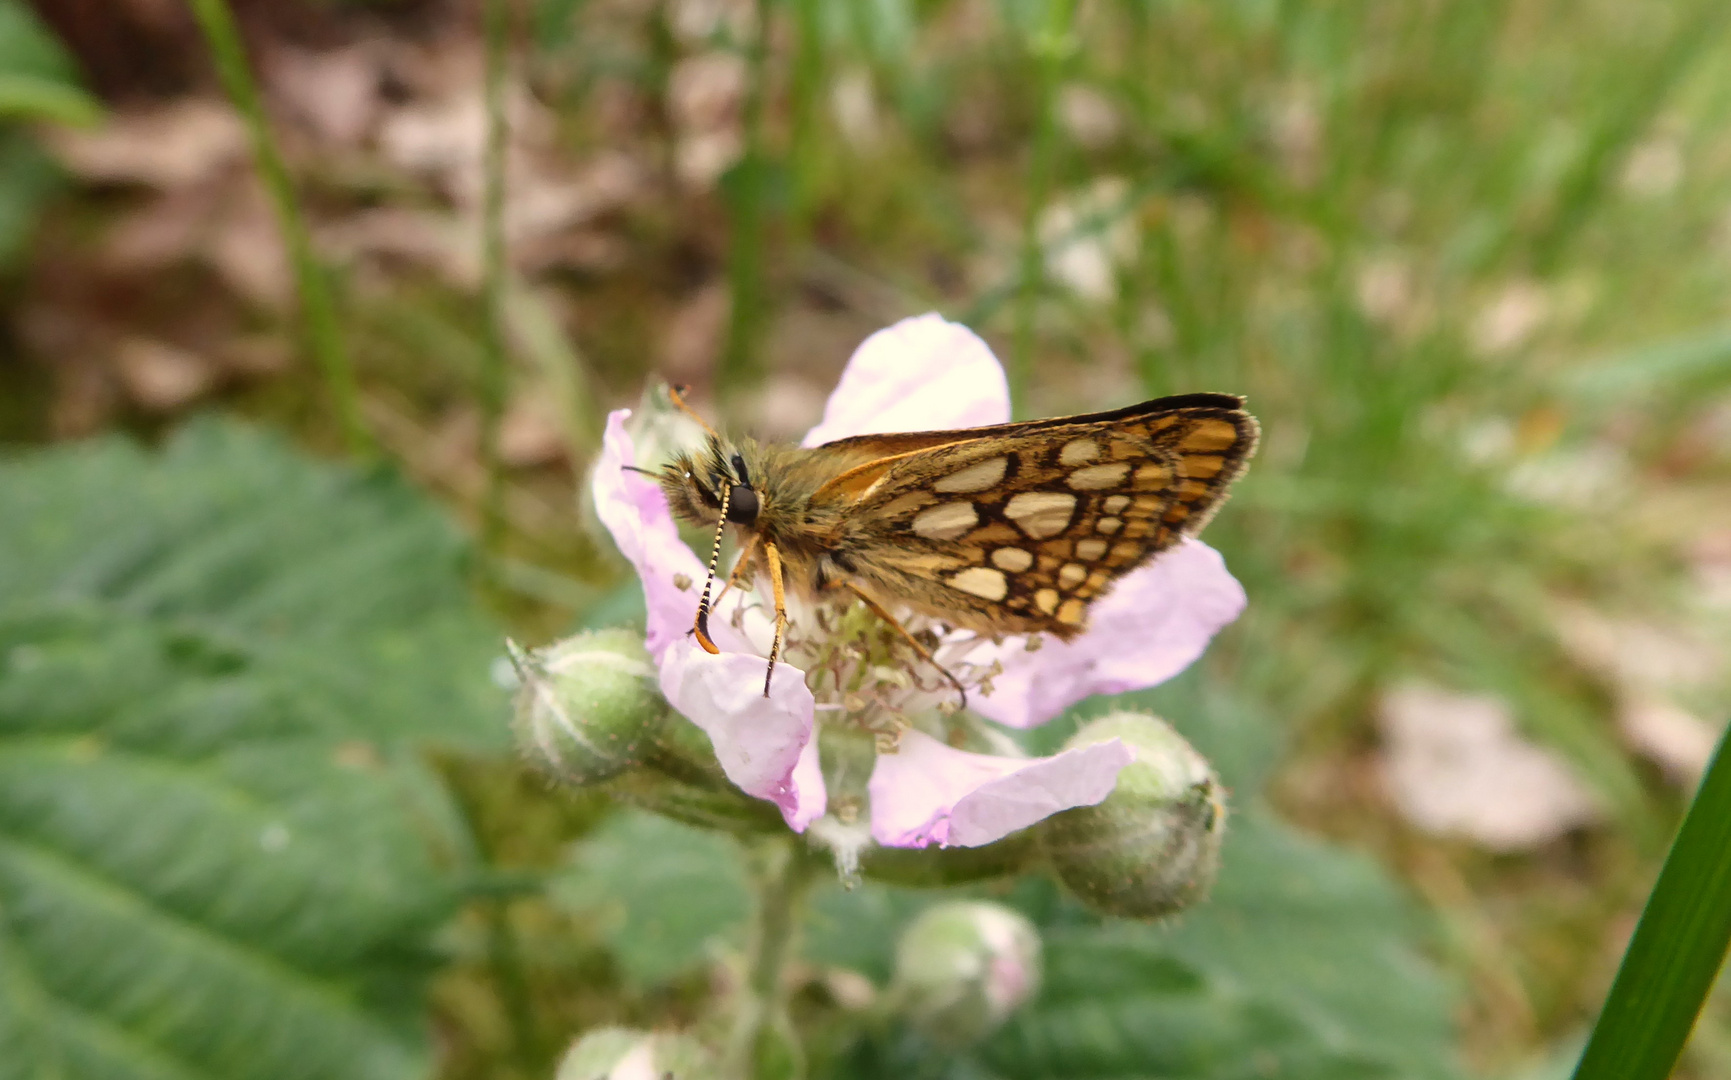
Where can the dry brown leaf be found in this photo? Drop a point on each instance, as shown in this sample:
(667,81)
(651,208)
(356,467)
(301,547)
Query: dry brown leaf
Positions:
(245,247)
(529,433)
(165,146)
(335,93)
(694,335)
(705,94)
(1671,737)
(1088,115)
(1639,656)
(1453,764)
(161,377)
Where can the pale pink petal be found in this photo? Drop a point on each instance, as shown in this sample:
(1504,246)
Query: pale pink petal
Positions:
(1148,628)
(930,793)
(810,798)
(635,512)
(922,374)
(764,744)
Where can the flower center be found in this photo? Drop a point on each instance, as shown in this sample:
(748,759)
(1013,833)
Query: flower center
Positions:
(865,674)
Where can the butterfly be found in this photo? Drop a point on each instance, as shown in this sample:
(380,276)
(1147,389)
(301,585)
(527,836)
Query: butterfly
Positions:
(1007,529)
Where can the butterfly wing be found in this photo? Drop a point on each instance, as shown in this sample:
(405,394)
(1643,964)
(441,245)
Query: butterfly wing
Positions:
(1019,527)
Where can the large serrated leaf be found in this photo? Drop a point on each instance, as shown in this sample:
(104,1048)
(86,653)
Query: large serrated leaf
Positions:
(228,531)
(1303,965)
(219,853)
(659,892)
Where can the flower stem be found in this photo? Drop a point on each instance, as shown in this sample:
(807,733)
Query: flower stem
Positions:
(318,310)
(1051,47)
(763,1043)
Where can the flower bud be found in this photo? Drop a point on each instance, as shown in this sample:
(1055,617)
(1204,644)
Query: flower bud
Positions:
(588,705)
(624,1054)
(1153,846)
(963,967)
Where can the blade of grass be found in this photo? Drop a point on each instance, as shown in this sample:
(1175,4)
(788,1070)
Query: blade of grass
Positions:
(493,375)
(739,361)
(1678,948)
(1667,364)
(1052,46)
(1648,89)
(318,308)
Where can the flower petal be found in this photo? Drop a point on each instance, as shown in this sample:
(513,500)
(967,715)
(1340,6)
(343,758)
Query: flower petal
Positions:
(927,792)
(764,744)
(1148,628)
(635,511)
(921,374)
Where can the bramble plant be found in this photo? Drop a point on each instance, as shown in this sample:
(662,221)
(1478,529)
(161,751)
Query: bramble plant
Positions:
(861,749)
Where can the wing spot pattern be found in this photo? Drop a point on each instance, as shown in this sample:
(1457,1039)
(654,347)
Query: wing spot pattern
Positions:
(1041,513)
(1013,559)
(976,477)
(981,581)
(946,521)
(1099,477)
(1078,452)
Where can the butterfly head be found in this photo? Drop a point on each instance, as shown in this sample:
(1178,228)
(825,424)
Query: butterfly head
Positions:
(699,485)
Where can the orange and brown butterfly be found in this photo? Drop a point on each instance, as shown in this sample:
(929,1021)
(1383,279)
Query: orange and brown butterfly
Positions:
(1012,528)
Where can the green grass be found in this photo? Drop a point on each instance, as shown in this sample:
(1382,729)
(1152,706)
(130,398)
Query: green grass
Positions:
(1678,948)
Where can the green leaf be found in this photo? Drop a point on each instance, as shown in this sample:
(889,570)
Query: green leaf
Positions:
(1321,933)
(28,48)
(31,97)
(220,855)
(27,179)
(1304,963)
(660,891)
(347,578)
(1678,947)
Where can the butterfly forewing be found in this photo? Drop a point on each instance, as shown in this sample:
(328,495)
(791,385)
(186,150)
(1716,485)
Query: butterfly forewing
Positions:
(1020,527)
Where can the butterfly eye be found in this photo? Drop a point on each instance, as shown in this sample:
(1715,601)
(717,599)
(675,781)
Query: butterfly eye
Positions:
(742,505)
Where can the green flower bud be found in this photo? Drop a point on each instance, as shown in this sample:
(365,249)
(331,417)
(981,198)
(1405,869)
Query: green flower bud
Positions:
(587,706)
(963,967)
(624,1054)
(1153,846)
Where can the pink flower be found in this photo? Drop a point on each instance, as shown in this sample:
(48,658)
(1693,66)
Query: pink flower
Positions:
(922,373)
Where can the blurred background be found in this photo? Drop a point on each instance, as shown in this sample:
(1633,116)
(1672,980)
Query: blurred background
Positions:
(271,495)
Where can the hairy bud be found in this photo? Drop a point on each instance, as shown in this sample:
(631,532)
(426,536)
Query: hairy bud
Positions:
(963,967)
(587,706)
(1153,846)
(624,1054)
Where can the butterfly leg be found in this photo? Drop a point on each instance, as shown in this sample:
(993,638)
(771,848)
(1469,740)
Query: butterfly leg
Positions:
(741,570)
(773,558)
(925,654)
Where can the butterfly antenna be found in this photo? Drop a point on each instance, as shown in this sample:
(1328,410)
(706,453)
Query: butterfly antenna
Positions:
(701,626)
(676,394)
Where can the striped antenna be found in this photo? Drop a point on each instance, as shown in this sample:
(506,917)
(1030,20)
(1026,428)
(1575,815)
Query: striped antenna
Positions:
(701,627)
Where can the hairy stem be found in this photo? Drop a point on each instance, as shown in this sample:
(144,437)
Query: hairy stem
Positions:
(763,1044)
